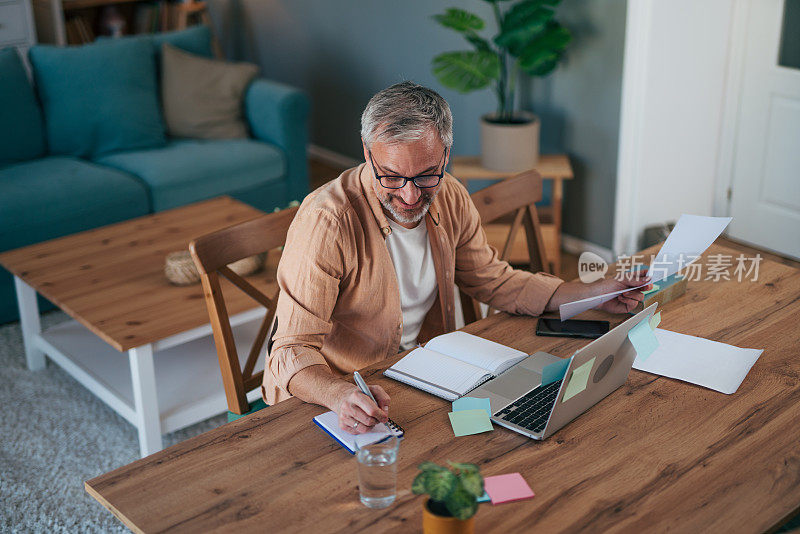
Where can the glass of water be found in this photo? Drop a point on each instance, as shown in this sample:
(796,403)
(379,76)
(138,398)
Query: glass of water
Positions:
(377,472)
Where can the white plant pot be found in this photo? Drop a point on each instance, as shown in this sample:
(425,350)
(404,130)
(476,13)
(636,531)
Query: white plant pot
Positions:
(510,147)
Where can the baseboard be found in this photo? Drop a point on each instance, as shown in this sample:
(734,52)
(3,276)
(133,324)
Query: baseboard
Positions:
(331,157)
(575,245)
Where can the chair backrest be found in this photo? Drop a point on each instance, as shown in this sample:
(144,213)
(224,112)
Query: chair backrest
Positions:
(514,199)
(212,253)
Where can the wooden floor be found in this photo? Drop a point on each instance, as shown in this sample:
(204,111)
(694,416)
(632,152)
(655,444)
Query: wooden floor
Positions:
(322,172)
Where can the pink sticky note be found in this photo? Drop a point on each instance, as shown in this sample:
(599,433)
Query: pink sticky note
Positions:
(507,488)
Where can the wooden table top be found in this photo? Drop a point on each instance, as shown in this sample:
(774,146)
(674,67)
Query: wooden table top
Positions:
(552,166)
(656,455)
(111,279)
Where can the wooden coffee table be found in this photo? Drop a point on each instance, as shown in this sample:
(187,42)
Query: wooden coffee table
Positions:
(111,282)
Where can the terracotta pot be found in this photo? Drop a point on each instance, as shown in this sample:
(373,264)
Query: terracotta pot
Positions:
(510,147)
(437,524)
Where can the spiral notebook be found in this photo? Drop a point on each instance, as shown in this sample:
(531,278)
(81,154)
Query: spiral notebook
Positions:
(451,365)
(329,422)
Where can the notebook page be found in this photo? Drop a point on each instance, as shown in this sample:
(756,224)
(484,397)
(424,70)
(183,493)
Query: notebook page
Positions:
(480,352)
(329,421)
(440,370)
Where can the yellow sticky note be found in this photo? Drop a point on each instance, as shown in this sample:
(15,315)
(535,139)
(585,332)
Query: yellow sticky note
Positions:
(578,380)
(656,287)
(655,320)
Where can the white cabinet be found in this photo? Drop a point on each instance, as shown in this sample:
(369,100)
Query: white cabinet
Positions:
(16,25)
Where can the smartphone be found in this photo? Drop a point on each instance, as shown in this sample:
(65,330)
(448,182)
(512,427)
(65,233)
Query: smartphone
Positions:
(571,328)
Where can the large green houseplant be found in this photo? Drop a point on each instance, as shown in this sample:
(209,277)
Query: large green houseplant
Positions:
(528,40)
(453,496)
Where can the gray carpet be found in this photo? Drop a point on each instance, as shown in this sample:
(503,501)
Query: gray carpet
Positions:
(55,435)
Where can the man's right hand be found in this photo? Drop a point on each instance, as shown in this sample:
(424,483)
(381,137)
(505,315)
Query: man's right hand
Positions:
(317,384)
(358,414)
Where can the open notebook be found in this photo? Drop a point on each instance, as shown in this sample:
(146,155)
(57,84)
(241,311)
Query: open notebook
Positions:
(451,365)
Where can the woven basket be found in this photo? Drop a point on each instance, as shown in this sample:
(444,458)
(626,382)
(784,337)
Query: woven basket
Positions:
(180,269)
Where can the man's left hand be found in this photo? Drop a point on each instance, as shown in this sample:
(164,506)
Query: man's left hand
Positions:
(624,302)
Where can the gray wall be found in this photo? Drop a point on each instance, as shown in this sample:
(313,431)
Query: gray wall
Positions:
(342,51)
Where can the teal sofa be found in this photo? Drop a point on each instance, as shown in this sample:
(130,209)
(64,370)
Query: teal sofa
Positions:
(84,145)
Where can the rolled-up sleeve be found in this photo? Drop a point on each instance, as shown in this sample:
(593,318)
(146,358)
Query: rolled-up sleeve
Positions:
(309,274)
(482,275)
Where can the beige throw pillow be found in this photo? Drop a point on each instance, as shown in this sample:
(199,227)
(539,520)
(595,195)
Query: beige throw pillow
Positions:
(203,98)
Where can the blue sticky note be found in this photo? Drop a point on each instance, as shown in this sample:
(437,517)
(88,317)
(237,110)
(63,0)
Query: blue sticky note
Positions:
(472,403)
(554,371)
(643,340)
(484,498)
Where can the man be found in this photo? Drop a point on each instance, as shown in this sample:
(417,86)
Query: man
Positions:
(371,259)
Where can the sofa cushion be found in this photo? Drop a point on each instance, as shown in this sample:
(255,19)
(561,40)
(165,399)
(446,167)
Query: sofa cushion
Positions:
(190,170)
(195,40)
(99,98)
(203,98)
(54,196)
(21,130)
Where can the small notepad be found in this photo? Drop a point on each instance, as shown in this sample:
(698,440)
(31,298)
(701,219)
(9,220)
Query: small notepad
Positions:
(329,422)
(507,488)
(473,403)
(468,422)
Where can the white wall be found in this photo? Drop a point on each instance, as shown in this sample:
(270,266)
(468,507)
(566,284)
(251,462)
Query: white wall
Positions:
(673,98)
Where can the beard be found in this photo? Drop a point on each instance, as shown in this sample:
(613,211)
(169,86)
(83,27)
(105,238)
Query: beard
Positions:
(408,216)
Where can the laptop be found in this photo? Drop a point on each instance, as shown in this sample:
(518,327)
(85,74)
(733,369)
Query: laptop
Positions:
(521,403)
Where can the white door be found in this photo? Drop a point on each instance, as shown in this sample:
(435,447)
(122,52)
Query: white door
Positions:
(765,185)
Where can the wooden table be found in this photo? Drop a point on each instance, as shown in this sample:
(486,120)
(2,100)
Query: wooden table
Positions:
(111,281)
(555,167)
(656,455)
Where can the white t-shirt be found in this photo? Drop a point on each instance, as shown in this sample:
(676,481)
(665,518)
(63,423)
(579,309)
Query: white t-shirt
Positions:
(410,251)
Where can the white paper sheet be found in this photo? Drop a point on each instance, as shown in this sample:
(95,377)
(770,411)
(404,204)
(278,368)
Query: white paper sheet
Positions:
(700,361)
(692,235)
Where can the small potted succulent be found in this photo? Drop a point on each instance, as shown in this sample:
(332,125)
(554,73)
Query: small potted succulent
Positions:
(453,496)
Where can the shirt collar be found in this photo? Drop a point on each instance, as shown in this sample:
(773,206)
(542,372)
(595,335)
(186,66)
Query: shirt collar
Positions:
(367,177)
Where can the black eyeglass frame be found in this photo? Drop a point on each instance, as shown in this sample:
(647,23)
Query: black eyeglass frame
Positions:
(406,179)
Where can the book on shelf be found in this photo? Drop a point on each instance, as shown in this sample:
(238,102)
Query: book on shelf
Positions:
(79,30)
(145,17)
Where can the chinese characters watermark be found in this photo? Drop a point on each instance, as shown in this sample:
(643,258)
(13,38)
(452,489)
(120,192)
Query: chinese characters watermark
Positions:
(716,267)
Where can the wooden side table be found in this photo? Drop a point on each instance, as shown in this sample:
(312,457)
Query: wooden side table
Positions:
(555,167)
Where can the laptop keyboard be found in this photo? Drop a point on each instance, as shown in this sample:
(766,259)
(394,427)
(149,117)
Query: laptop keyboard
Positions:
(532,409)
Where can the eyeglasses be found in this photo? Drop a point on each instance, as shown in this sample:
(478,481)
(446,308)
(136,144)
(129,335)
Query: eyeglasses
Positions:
(394,181)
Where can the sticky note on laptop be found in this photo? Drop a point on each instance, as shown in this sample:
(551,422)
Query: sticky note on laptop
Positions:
(472,403)
(467,422)
(655,320)
(643,340)
(507,488)
(554,371)
(578,380)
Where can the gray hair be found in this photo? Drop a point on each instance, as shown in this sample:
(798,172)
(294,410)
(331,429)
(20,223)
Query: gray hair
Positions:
(406,112)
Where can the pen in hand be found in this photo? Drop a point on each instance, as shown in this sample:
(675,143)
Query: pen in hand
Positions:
(396,429)
(364,389)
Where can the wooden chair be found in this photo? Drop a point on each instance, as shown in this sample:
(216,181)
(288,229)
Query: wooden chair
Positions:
(514,199)
(198,9)
(212,253)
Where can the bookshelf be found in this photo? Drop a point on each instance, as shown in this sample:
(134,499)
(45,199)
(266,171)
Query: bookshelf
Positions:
(74,22)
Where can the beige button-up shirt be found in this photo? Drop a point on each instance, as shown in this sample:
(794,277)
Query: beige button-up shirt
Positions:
(339,302)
